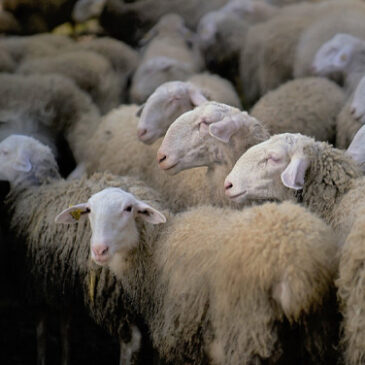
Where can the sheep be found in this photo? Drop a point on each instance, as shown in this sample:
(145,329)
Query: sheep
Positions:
(328,182)
(351,117)
(169,39)
(351,21)
(308,106)
(138,17)
(356,148)
(52,101)
(341,55)
(91,72)
(62,275)
(187,281)
(7,64)
(222,32)
(173,98)
(267,57)
(213,135)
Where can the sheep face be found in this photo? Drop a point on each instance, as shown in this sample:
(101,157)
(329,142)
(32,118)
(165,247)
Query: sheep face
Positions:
(16,155)
(197,138)
(358,102)
(357,148)
(112,213)
(267,170)
(334,55)
(167,103)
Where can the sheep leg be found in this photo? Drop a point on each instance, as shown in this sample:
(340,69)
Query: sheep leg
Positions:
(41,333)
(128,349)
(65,339)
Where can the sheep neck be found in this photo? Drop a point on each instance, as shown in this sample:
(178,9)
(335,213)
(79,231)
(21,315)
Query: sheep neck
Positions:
(328,178)
(138,268)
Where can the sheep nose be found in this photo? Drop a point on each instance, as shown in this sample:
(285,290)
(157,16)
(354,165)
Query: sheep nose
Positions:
(161,157)
(228,185)
(141,132)
(100,250)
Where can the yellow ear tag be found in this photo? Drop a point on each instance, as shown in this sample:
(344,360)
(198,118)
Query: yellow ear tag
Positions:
(76,214)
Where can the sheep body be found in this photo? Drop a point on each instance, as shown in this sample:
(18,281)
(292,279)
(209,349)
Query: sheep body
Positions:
(90,71)
(308,106)
(192,272)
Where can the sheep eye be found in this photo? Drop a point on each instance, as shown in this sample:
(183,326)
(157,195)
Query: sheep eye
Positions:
(5,152)
(128,209)
(273,159)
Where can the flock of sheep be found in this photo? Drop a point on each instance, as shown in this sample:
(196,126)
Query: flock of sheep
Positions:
(193,231)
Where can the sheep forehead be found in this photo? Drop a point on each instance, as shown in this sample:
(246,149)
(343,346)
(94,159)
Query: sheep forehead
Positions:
(20,143)
(110,200)
(213,111)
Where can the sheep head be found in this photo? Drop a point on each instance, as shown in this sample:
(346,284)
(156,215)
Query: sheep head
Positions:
(335,55)
(167,103)
(270,170)
(201,137)
(112,213)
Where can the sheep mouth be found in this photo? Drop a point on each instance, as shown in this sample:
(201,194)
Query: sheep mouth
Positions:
(241,195)
(102,261)
(168,167)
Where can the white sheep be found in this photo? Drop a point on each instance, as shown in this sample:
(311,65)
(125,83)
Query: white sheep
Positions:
(61,274)
(168,40)
(309,106)
(341,56)
(174,98)
(351,117)
(187,281)
(295,167)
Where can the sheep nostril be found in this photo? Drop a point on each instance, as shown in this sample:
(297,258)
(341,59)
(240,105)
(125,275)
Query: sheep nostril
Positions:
(141,132)
(353,111)
(161,157)
(228,185)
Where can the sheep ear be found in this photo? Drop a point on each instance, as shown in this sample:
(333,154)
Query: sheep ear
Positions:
(149,214)
(73,214)
(356,149)
(224,129)
(22,162)
(140,110)
(342,58)
(294,174)
(196,97)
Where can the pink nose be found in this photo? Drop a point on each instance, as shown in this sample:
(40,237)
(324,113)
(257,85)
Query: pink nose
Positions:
(100,250)
(141,132)
(161,157)
(227,185)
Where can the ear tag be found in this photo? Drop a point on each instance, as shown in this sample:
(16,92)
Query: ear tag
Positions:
(75,214)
